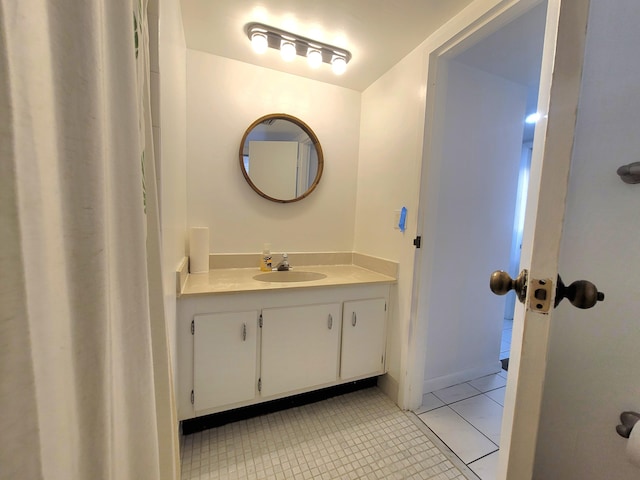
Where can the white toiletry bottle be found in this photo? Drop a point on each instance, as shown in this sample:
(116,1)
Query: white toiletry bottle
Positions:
(265,258)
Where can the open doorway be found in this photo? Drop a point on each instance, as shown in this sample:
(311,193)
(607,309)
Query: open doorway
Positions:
(514,53)
(518,229)
(478,169)
(485,94)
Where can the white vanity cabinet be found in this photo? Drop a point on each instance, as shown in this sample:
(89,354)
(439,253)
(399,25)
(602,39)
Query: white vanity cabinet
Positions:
(363,338)
(225,358)
(240,349)
(300,347)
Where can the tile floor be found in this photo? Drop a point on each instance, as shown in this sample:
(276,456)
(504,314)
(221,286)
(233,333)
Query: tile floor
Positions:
(468,417)
(361,435)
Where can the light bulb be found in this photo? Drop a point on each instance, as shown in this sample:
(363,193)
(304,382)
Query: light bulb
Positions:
(338,65)
(314,57)
(533,118)
(287,50)
(259,42)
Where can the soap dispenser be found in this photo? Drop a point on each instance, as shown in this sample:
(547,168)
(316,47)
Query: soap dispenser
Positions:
(265,258)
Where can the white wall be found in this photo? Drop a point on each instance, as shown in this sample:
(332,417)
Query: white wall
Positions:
(170,131)
(587,371)
(168,88)
(392,147)
(592,373)
(388,179)
(223,98)
(472,225)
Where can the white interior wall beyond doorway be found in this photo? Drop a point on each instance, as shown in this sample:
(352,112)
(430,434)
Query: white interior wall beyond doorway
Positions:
(475,173)
(515,53)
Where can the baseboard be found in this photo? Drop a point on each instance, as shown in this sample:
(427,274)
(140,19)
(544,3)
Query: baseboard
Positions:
(205,422)
(505,363)
(389,387)
(433,384)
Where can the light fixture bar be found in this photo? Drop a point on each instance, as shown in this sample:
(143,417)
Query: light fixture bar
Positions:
(303,44)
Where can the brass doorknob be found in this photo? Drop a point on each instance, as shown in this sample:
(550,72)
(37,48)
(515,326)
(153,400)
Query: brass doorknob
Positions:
(501,283)
(581,293)
(628,421)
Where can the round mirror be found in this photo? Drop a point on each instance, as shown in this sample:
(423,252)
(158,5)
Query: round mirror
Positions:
(281,158)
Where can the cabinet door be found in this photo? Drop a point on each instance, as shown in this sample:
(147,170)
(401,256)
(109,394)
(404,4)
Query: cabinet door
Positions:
(224,358)
(300,347)
(363,338)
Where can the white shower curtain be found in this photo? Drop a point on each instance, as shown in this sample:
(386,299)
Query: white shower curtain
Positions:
(81,312)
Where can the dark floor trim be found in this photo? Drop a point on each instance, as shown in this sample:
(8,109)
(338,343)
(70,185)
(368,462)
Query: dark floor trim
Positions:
(205,422)
(505,363)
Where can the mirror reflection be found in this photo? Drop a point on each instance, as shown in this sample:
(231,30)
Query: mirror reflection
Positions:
(281,158)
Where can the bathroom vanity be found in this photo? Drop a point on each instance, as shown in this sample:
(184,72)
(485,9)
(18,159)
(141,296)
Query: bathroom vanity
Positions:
(243,341)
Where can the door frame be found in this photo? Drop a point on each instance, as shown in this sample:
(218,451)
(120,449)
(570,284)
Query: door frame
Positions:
(484,24)
(563,54)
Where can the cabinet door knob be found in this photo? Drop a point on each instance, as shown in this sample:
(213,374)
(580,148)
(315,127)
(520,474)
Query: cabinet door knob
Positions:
(244,332)
(330,322)
(354,319)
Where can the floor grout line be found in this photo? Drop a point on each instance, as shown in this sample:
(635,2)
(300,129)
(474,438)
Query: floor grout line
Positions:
(474,396)
(433,436)
(448,404)
(474,427)
(484,456)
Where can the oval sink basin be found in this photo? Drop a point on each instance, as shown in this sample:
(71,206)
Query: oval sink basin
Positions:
(289,276)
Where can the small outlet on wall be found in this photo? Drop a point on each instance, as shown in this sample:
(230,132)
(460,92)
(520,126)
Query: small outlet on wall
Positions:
(396,219)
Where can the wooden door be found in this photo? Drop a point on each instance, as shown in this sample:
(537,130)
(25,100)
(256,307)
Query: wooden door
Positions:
(550,164)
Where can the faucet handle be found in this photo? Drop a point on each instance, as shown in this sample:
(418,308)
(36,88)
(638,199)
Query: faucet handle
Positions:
(284,263)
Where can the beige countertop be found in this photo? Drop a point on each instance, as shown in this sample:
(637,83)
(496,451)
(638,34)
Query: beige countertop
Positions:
(233,280)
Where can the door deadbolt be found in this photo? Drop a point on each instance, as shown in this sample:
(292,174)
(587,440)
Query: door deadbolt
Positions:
(581,293)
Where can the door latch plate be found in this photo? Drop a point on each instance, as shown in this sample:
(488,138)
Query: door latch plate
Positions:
(540,295)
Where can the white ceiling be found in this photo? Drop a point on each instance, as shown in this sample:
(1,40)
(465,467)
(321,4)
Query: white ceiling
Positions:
(513,52)
(378,33)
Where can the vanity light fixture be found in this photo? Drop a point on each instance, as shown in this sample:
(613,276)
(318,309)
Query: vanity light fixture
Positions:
(263,37)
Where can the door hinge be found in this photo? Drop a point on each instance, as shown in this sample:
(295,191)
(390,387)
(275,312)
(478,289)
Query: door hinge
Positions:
(385,306)
(193,397)
(260,321)
(259,384)
(417,241)
(193,327)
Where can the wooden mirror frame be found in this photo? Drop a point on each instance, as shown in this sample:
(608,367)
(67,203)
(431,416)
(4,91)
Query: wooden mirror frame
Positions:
(314,140)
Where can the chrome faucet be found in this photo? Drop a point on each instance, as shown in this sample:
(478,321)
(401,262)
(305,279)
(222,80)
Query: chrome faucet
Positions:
(284,263)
